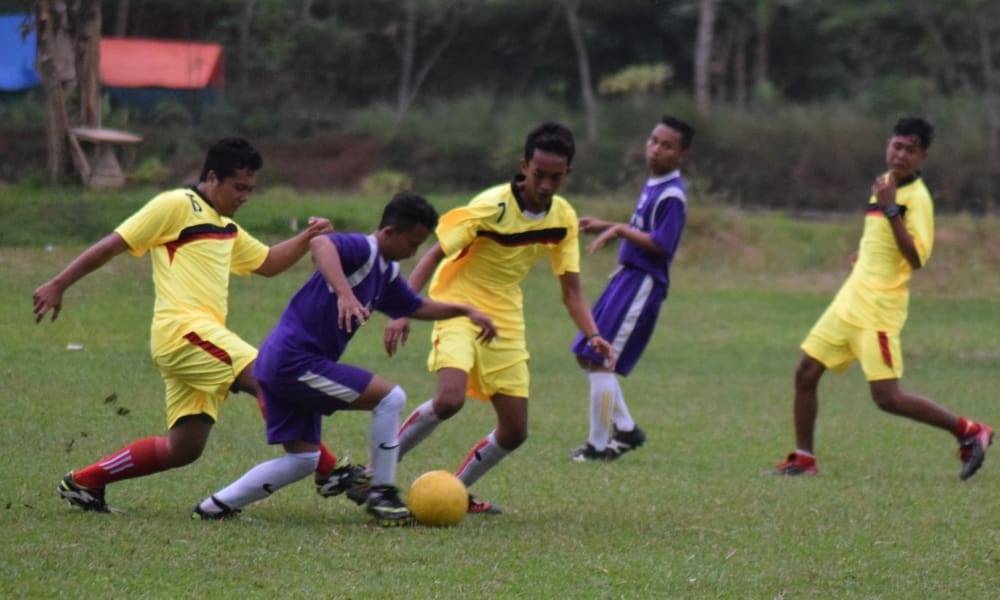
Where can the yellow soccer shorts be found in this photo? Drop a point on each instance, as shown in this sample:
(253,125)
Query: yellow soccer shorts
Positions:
(199,373)
(836,344)
(497,367)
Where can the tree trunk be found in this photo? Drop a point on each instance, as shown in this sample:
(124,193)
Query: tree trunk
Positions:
(407,58)
(244,48)
(703,56)
(89,61)
(990,100)
(740,68)
(571,8)
(763,17)
(121,18)
(54,58)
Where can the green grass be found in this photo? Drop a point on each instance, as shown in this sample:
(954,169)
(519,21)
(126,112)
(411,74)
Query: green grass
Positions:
(689,515)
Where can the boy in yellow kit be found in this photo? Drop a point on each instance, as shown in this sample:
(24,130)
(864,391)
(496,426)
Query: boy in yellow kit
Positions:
(484,251)
(194,246)
(865,319)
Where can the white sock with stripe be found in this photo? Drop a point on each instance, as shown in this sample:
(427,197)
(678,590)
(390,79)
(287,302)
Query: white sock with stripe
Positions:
(603,387)
(382,437)
(421,423)
(263,480)
(484,456)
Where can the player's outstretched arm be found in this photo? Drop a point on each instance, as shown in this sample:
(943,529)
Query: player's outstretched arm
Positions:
(285,254)
(349,309)
(431,310)
(579,312)
(397,331)
(49,295)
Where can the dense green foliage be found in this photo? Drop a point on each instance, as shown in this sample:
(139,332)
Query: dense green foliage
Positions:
(803,92)
(687,516)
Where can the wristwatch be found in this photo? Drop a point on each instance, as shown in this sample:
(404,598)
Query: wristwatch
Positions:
(891,211)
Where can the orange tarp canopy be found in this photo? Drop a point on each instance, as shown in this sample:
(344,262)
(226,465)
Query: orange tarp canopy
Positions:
(133,63)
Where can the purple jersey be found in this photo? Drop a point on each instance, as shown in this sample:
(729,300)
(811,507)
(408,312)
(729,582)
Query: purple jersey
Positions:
(308,326)
(661,212)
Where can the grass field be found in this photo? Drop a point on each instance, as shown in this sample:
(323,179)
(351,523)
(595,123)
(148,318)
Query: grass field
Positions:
(687,516)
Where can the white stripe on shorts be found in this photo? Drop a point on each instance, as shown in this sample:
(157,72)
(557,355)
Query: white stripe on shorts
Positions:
(632,314)
(329,387)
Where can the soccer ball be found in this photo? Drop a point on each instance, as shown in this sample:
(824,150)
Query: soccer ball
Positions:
(438,498)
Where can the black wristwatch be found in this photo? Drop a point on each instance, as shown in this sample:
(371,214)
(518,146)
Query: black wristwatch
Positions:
(891,211)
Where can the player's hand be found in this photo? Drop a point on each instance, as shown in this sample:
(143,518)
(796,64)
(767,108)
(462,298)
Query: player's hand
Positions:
(610,234)
(318,226)
(593,225)
(884,190)
(350,310)
(603,347)
(397,331)
(487,331)
(47,297)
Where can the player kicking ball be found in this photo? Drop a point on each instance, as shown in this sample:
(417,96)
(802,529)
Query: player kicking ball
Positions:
(300,374)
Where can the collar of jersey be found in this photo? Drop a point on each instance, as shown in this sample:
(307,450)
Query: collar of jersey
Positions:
(520,201)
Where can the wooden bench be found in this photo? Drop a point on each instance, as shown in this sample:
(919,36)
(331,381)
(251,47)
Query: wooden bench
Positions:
(105,172)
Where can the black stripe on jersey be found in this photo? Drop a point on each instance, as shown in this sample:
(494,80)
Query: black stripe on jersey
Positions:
(552,235)
(204,231)
(873,209)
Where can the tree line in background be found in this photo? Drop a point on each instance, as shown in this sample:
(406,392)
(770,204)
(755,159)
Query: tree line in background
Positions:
(788,95)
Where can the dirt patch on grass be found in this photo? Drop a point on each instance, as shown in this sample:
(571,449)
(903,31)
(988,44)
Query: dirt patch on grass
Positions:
(339,162)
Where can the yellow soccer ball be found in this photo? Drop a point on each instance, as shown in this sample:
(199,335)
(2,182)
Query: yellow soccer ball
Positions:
(438,498)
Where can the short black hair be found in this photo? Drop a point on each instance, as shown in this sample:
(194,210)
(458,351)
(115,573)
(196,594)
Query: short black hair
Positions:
(550,137)
(680,126)
(916,126)
(228,155)
(406,210)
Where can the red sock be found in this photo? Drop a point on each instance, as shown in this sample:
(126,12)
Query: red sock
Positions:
(327,460)
(966,427)
(143,457)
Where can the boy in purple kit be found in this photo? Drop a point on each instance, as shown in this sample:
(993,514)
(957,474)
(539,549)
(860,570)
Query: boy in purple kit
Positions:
(627,310)
(298,369)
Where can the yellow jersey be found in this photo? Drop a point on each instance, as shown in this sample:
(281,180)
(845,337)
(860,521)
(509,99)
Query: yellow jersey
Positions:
(193,250)
(491,244)
(876,294)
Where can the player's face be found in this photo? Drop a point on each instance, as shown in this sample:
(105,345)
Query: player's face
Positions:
(543,176)
(398,245)
(664,151)
(904,156)
(229,194)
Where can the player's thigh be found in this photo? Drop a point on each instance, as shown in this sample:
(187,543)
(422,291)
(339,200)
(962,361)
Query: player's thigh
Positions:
(880,355)
(295,405)
(830,342)
(501,367)
(210,359)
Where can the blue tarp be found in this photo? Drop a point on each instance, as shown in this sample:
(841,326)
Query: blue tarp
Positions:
(17,55)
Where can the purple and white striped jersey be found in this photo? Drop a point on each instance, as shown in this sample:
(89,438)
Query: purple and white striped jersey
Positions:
(308,326)
(661,212)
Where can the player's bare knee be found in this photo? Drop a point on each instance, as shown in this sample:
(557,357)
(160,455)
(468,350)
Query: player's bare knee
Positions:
(446,405)
(886,400)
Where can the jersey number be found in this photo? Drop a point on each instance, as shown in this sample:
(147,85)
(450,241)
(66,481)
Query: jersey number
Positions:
(503,210)
(194,203)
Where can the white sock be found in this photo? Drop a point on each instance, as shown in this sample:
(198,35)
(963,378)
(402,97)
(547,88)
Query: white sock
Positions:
(382,438)
(602,402)
(420,424)
(484,456)
(263,480)
(623,420)
(801,452)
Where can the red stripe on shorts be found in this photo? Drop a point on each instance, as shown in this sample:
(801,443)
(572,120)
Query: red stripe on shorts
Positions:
(209,347)
(883,345)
